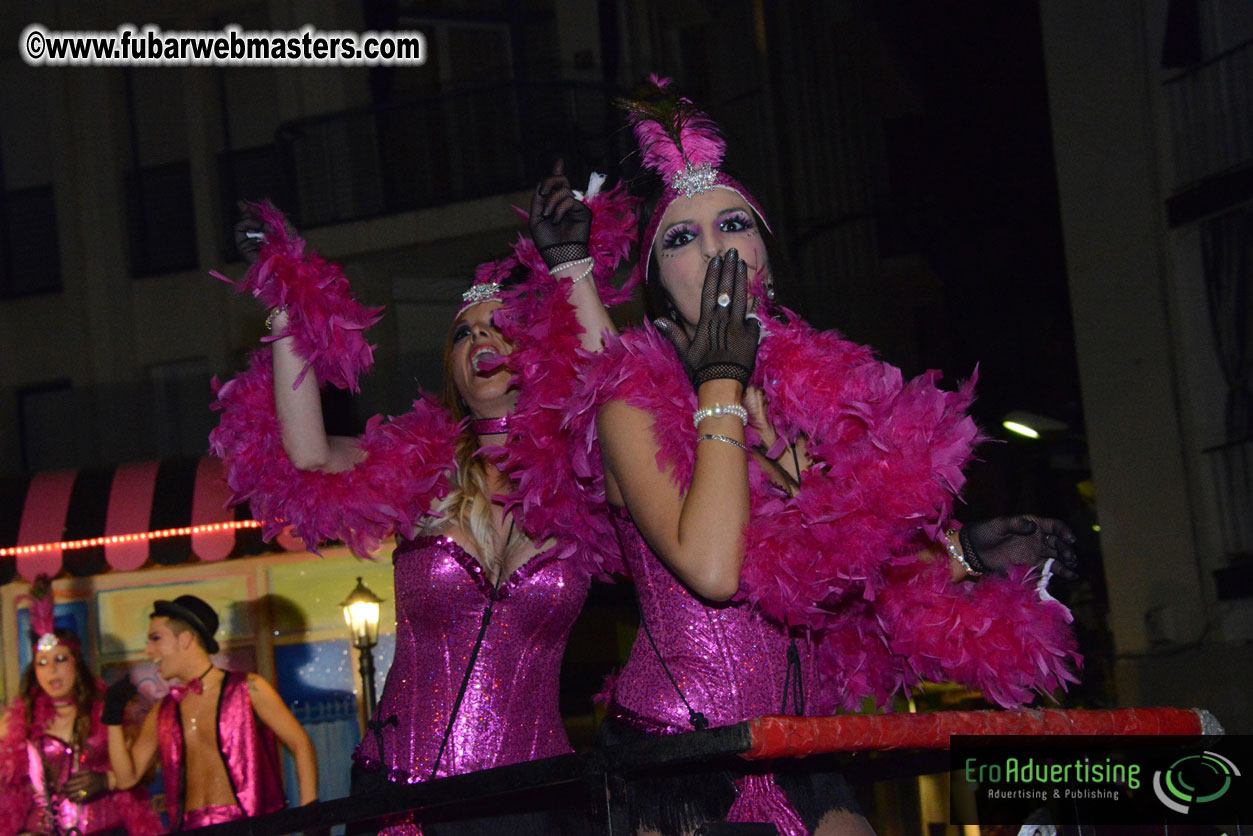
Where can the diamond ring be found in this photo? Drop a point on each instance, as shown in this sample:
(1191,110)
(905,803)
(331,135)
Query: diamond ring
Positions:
(723,300)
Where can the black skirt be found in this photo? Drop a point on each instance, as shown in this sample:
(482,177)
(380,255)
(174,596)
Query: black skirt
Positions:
(676,800)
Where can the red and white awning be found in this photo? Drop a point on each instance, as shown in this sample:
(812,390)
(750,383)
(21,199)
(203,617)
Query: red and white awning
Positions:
(122,518)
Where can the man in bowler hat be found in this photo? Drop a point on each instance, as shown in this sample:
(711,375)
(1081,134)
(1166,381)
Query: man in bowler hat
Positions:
(214,732)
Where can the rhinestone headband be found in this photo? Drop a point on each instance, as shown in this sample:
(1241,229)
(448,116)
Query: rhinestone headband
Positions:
(694,179)
(481,293)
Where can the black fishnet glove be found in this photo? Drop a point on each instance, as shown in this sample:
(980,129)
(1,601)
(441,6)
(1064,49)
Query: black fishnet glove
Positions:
(560,224)
(250,231)
(1025,540)
(725,343)
(85,786)
(115,700)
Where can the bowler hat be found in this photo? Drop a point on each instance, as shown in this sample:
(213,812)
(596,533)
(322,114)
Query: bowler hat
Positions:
(196,613)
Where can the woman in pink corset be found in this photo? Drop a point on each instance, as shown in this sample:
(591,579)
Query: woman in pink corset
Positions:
(488,580)
(783,500)
(54,756)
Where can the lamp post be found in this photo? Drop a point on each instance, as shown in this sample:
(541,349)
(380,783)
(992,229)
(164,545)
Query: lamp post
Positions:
(361,612)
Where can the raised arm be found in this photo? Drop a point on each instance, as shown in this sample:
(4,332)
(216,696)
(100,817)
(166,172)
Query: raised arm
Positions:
(274,713)
(296,397)
(561,227)
(130,762)
(271,437)
(697,532)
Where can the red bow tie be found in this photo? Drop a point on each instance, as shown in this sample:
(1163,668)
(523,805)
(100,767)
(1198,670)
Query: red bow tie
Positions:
(180,691)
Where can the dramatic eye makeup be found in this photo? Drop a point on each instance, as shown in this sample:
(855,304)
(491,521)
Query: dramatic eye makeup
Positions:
(736,221)
(677,236)
(460,332)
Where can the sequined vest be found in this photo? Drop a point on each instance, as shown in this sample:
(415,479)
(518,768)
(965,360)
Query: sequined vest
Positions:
(247,747)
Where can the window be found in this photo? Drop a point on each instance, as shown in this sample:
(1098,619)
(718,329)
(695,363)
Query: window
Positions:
(180,406)
(53,424)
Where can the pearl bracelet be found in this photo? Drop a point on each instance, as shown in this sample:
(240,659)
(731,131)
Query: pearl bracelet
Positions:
(957,555)
(581,276)
(717,411)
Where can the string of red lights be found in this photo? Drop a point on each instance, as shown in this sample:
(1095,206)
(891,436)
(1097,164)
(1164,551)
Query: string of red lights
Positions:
(68,545)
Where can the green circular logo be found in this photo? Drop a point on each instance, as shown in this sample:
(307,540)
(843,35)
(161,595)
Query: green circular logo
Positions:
(1194,779)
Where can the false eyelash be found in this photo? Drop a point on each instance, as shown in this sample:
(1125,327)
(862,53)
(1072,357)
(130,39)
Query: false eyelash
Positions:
(740,217)
(462,331)
(672,237)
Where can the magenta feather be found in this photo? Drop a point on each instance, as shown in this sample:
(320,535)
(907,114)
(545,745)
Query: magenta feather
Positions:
(407,460)
(839,557)
(672,132)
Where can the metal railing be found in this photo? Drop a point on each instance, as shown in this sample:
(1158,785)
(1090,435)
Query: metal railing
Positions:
(602,774)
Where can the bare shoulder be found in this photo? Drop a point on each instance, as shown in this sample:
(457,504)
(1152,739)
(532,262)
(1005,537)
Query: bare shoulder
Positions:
(257,684)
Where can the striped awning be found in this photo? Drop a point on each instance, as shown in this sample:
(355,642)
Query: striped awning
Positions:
(123,518)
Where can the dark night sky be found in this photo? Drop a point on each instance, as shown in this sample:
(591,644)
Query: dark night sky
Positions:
(973,188)
(977,166)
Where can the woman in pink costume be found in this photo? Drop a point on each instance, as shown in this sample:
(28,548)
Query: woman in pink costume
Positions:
(473,486)
(783,501)
(54,756)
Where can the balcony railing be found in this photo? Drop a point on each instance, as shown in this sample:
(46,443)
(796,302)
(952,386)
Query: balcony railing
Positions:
(431,151)
(595,783)
(1211,115)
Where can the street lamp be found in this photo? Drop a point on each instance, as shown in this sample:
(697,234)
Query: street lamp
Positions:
(1032,425)
(361,613)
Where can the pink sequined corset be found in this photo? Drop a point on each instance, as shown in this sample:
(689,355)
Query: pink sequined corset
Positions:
(729,663)
(60,762)
(509,713)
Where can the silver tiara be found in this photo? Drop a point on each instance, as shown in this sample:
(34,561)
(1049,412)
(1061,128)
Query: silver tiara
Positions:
(47,641)
(481,292)
(694,179)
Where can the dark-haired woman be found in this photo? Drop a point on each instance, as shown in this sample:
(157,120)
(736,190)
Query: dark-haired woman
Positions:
(54,755)
(784,505)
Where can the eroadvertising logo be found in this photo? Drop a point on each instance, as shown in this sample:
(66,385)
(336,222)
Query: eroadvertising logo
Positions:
(1193,780)
(1075,780)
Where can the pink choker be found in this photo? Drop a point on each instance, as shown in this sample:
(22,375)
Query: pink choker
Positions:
(489,426)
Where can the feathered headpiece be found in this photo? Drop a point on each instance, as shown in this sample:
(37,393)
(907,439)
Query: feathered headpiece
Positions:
(684,146)
(43,624)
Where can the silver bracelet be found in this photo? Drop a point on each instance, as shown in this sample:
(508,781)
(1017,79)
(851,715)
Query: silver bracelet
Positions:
(957,555)
(717,411)
(269,320)
(713,437)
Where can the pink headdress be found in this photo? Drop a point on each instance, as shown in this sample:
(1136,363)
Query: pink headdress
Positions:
(42,618)
(684,147)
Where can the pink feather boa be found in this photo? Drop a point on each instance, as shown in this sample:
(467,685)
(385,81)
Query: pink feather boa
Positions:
(324,319)
(840,558)
(405,469)
(17,795)
(408,459)
(553,475)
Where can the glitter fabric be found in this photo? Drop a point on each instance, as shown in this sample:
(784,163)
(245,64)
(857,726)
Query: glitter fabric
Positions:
(728,661)
(105,812)
(248,751)
(509,713)
(213,814)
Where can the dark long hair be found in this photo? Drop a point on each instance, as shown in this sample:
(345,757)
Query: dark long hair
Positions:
(85,692)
